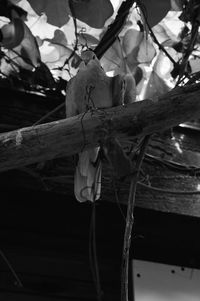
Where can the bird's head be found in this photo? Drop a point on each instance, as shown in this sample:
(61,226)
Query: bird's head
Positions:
(87,56)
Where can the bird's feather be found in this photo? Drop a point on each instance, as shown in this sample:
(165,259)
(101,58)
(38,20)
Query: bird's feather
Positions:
(91,88)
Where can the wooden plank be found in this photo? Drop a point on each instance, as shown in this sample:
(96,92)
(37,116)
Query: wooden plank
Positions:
(20,108)
(162,178)
(48,235)
(70,136)
(57,176)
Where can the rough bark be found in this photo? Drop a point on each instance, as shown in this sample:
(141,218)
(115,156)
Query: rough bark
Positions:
(69,136)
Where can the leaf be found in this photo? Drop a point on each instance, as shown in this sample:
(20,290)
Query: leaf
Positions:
(57,11)
(160,33)
(155,10)
(195,64)
(59,38)
(88,40)
(131,40)
(113,59)
(10,10)
(163,66)
(42,76)
(172,25)
(22,44)
(52,53)
(93,12)
(176,5)
(156,86)
(143,50)
(12,34)
(146,51)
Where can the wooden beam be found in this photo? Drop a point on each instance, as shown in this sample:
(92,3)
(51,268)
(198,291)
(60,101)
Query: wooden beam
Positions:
(69,136)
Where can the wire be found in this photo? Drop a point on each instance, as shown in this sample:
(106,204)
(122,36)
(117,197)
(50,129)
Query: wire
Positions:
(141,6)
(177,192)
(93,254)
(173,165)
(49,114)
(76,34)
(18,281)
(130,221)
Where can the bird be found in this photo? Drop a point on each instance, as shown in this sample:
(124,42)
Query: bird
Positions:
(92,89)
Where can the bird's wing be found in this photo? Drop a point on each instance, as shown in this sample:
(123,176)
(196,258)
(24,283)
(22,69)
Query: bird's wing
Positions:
(91,88)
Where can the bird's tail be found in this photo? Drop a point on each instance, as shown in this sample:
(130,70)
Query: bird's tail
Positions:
(87,180)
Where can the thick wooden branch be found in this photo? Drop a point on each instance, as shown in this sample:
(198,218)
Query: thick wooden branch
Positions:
(69,136)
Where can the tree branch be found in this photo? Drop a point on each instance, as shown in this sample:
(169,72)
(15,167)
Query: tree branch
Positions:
(69,136)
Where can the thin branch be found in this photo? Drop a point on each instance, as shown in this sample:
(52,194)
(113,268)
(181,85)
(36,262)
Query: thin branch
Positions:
(190,48)
(130,221)
(76,35)
(141,6)
(114,29)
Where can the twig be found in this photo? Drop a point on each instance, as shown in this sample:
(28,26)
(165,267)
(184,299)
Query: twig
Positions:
(76,35)
(161,47)
(130,220)
(186,55)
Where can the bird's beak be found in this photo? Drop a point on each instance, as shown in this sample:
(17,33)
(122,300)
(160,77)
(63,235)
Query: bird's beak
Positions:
(86,61)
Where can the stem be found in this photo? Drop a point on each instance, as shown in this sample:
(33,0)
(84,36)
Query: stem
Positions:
(130,221)
(161,47)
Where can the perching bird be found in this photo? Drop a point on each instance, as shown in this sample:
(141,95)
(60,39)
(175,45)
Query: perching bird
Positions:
(91,88)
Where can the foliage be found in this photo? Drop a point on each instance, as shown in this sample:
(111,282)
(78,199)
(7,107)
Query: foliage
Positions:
(42,40)
(158,41)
